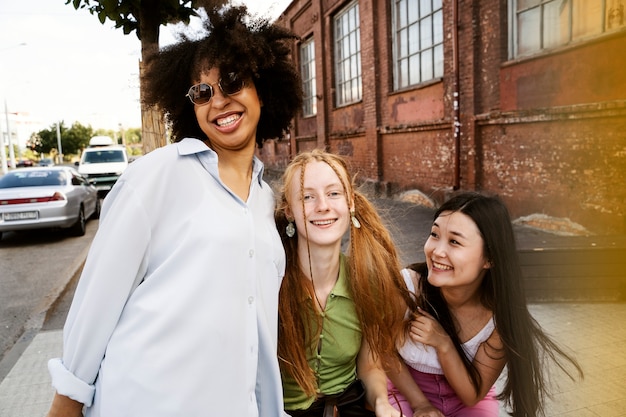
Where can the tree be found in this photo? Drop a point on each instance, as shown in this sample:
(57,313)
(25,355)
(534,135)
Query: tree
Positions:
(76,138)
(145,17)
(72,140)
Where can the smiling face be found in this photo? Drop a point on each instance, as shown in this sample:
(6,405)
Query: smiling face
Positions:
(320,204)
(229,121)
(455,252)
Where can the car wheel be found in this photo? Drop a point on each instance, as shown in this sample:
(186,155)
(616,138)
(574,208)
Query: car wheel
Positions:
(96,211)
(79,228)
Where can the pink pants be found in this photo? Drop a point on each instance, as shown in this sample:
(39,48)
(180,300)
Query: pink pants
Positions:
(442,396)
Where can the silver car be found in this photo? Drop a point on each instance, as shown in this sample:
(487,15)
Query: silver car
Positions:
(47,197)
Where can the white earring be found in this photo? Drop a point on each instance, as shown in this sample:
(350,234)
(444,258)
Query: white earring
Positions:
(290,229)
(355,222)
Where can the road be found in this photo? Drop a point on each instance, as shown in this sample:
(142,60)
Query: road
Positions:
(34,270)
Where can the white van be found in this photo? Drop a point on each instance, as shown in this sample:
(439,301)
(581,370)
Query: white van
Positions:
(100,141)
(102,163)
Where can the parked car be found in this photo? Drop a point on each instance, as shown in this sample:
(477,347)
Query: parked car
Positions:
(24,163)
(47,197)
(102,163)
(46,162)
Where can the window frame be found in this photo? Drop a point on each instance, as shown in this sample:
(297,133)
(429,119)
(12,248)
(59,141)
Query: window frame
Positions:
(348,90)
(307,72)
(433,51)
(573,26)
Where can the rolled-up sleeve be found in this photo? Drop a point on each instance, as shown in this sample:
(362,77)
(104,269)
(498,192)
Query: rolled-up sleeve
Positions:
(104,287)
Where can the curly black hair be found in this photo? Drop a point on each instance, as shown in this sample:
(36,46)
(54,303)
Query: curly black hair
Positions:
(254,49)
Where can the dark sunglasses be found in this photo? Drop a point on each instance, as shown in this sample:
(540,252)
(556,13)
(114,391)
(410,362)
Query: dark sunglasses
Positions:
(202,93)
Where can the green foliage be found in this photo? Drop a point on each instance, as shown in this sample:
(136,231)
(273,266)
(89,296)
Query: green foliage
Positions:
(126,14)
(132,136)
(72,140)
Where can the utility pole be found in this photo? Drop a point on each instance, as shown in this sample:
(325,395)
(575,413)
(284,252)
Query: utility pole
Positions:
(3,155)
(11,150)
(60,156)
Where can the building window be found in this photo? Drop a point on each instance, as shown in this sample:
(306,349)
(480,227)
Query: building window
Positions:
(307,67)
(348,88)
(540,25)
(418,41)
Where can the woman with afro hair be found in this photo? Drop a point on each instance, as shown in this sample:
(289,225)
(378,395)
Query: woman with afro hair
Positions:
(176,310)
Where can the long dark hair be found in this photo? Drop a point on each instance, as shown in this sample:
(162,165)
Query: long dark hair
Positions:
(254,49)
(526,345)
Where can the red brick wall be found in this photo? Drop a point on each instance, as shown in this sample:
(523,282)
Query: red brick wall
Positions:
(548,133)
(573,167)
(591,73)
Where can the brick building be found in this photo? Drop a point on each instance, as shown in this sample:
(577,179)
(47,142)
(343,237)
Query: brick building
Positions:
(523,98)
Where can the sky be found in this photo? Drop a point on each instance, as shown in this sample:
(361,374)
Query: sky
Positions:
(61,64)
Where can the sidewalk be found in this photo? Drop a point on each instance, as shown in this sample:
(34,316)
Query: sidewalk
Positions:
(594,332)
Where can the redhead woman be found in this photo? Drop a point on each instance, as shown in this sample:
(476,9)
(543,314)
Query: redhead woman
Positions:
(339,313)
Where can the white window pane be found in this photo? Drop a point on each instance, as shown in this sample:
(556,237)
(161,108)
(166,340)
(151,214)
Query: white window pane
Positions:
(412,11)
(437,4)
(438,61)
(414,70)
(529,31)
(426,37)
(555,25)
(403,73)
(401,14)
(414,39)
(438,27)
(338,29)
(427,65)
(403,43)
(425,8)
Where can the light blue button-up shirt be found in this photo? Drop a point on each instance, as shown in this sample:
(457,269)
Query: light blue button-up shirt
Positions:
(198,336)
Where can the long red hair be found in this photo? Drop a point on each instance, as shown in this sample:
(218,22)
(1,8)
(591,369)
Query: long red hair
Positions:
(377,287)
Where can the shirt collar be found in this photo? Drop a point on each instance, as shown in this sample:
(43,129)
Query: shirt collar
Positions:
(208,157)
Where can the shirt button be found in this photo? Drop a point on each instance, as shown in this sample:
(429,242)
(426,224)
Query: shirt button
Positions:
(250,300)
(251,253)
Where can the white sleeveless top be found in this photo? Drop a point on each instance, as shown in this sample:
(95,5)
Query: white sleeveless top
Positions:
(423,358)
